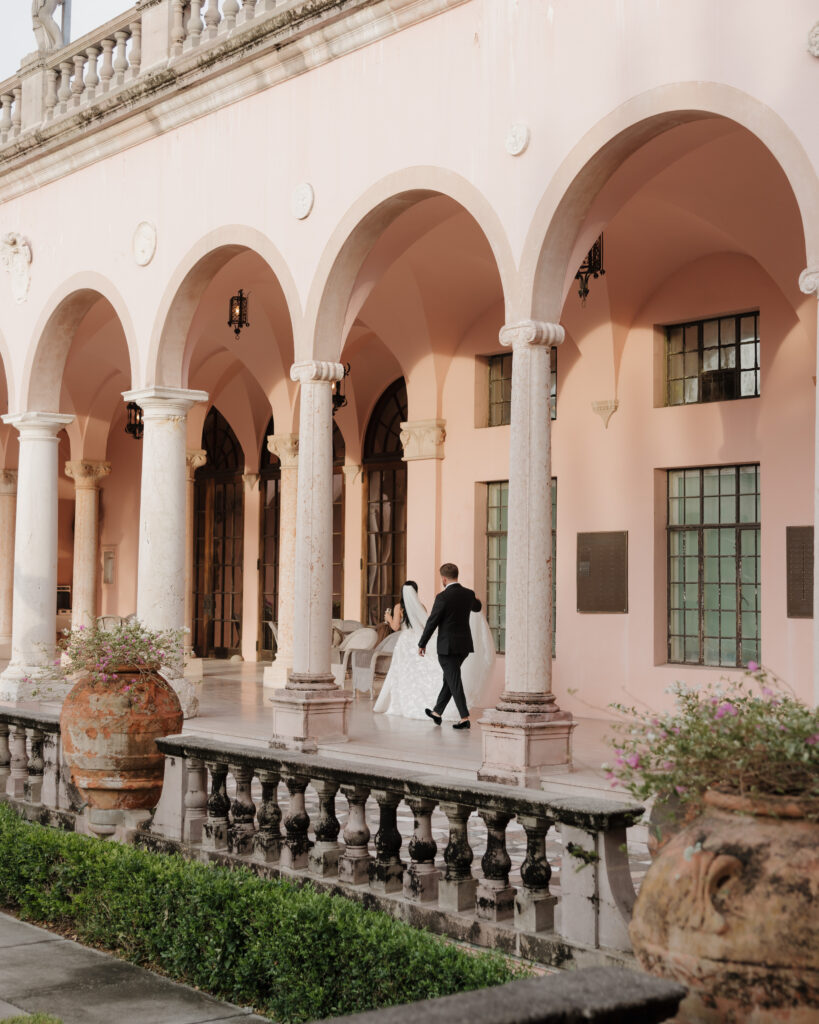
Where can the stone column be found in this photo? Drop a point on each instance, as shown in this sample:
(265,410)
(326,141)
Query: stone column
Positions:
(193,460)
(8,511)
(423,443)
(34,602)
(312,708)
(162,538)
(809,284)
(286,449)
(86,476)
(527,734)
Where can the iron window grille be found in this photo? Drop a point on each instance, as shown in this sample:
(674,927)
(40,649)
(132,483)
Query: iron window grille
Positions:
(714,566)
(712,360)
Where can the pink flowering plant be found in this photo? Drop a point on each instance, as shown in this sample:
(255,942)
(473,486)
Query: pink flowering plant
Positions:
(748,736)
(103,653)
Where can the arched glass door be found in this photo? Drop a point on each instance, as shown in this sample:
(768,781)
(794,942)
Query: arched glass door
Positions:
(339,452)
(269,485)
(218,542)
(385,486)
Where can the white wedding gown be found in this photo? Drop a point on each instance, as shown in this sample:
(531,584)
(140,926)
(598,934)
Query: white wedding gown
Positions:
(413,683)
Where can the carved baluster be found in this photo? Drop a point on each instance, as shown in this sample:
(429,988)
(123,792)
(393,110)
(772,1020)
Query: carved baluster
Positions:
(135,54)
(421,877)
(495,896)
(196,800)
(51,93)
(107,70)
(296,825)
(17,112)
(64,92)
(92,78)
(177,27)
(6,101)
(120,60)
(231,9)
(18,777)
(387,870)
(267,843)
(214,831)
(240,833)
(534,904)
(50,793)
(456,890)
(195,24)
(324,855)
(354,863)
(248,11)
(34,782)
(5,756)
(78,84)
(212,19)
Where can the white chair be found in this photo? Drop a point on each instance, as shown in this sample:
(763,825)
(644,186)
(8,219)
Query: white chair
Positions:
(359,640)
(367,663)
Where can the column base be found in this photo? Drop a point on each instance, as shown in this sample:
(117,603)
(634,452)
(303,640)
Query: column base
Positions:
(525,737)
(186,689)
(277,675)
(25,683)
(311,710)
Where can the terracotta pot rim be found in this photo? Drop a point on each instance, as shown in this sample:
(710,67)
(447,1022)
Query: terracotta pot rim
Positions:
(764,805)
(133,670)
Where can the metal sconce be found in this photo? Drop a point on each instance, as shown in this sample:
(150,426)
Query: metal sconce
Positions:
(339,398)
(592,266)
(134,425)
(237,317)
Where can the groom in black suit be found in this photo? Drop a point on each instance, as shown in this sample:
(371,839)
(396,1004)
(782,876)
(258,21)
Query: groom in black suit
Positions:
(450,616)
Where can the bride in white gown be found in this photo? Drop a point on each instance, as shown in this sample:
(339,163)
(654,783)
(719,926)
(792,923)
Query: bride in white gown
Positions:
(413,683)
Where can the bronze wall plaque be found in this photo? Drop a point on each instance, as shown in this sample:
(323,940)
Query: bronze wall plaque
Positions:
(602,572)
(800,571)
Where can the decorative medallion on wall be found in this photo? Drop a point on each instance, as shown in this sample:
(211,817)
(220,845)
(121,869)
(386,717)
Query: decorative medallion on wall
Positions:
(15,255)
(301,202)
(813,40)
(517,139)
(144,243)
(809,281)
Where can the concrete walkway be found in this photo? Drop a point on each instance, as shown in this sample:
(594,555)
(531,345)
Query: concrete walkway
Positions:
(44,973)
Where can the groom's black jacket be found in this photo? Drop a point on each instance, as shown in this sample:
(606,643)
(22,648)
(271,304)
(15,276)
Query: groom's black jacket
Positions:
(450,616)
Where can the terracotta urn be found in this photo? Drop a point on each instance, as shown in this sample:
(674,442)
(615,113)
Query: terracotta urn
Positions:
(729,908)
(108,732)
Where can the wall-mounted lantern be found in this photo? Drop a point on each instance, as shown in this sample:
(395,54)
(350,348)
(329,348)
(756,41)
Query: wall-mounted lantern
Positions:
(339,398)
(592,266)
(237,317)
(134,425)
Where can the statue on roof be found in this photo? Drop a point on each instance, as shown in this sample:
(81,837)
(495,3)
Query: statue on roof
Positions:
(47,32)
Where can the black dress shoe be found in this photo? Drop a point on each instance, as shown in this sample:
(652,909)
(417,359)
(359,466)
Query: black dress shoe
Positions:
(462,725)
(436,719)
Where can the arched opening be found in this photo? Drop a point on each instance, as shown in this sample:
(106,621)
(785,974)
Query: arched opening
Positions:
(339,454)
(218,542)
(385,517)
(269,522)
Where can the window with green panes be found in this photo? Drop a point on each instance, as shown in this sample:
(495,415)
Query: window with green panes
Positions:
(712,360)
(713,565)
(497,509)
(500,389)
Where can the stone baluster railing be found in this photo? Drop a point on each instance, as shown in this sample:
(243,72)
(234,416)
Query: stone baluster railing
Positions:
(11,113)
(31,770)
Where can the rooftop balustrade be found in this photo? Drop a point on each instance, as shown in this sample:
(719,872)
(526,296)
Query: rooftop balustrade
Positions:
(221,802)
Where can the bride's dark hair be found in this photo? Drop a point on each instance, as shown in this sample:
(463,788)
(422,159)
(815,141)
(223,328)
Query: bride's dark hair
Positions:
(404,616)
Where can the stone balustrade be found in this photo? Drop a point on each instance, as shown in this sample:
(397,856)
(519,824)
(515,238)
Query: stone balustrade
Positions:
(221,803)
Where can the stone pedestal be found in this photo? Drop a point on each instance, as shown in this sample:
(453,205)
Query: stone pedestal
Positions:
(162,517)
(27,676)
(527,735)
(312,708)
(286,449)
(494,901)
(8,512)
(86,476)
(193,460)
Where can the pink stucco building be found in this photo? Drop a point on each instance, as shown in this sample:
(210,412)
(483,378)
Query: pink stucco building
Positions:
(410,187)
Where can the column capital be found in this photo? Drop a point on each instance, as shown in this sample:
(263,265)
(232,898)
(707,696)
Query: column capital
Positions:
(286,449)
(159,402)
(8,481)
(809,281)
(38,424)
(531,332)
(86,473)
(423,439)
(194,458)
(315,370)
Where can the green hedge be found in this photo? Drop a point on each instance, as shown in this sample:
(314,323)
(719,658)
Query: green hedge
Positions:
(291,952)
(33,1018)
